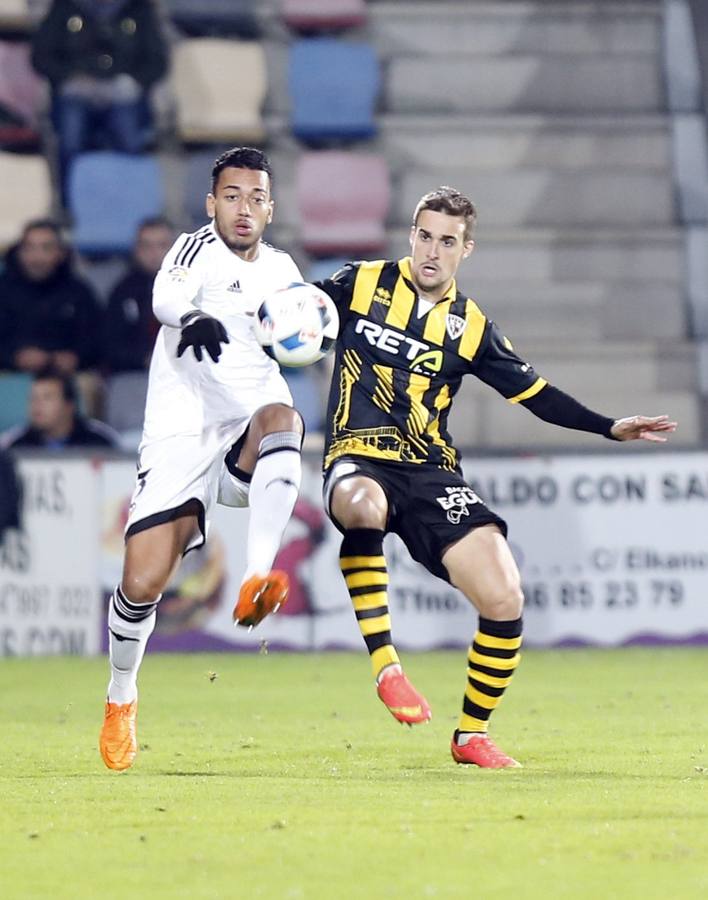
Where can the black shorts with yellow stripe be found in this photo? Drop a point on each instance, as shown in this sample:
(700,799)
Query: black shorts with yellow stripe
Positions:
(428,508)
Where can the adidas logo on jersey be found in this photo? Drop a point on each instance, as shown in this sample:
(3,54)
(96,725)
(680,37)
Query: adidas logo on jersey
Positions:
(234,287)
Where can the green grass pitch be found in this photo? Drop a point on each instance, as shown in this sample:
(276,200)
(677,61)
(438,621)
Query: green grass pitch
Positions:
(285,777)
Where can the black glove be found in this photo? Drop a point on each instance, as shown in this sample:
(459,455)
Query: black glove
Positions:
(200,330)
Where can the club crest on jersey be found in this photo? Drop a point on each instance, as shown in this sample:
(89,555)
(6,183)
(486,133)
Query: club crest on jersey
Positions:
(178,273)
(454,325)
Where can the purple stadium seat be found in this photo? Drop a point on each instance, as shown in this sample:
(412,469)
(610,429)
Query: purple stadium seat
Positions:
(22,94)
(343,200)
(316,15)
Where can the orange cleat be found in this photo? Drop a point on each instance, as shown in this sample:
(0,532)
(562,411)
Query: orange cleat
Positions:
(118,742)
(259,597)
(481,751)
(402,700)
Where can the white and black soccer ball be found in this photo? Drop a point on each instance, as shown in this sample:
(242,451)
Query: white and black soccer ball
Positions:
(297,326)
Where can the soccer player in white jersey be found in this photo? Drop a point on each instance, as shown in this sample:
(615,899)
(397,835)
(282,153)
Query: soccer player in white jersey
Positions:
(219,426)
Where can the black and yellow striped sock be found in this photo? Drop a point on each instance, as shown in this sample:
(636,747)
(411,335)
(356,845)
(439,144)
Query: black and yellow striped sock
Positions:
(492,658)
(363,565)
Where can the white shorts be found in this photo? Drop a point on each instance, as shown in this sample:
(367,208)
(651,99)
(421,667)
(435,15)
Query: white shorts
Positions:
(186,467)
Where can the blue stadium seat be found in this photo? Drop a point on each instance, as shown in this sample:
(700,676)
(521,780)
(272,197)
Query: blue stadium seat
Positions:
(333,87)
(125,400)
(197,183)
(320,269)
(109,195)
(14,398)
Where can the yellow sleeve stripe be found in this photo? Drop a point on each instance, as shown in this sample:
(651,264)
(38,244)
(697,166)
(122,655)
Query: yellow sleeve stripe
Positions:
(474,331)
(362,562)
(374,626)
(498,643)
(364,286)
(537,386)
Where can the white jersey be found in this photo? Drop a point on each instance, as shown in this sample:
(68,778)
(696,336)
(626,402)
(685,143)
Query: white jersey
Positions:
(200,272)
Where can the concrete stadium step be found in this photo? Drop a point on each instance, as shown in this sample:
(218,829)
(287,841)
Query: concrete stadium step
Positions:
(639,365)
(583,310)
(642,144)
(548,198)
(567,255)
(540,83)
(511,27)
(481,419)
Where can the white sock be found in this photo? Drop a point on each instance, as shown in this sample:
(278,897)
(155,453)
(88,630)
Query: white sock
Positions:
(129,627)
(388,670)
(274,487)
(463,737)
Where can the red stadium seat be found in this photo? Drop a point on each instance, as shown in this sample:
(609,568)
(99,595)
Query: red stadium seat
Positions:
(343,200)
(22,95)
(315,15)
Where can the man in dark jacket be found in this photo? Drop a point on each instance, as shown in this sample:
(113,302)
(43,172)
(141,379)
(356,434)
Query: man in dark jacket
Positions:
(101,58)
(131,327)
(54,420)
(48,315)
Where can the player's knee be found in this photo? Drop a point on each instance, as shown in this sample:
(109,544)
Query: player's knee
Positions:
(503,604)
(141,587)
(277,417)
(358,502)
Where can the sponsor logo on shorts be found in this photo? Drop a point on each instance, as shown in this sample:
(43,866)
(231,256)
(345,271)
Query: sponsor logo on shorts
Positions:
(456,502)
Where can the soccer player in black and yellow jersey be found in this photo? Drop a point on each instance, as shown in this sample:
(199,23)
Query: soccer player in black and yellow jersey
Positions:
(407,338)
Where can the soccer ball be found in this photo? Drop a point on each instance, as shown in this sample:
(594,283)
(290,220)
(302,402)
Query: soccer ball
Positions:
(297,326)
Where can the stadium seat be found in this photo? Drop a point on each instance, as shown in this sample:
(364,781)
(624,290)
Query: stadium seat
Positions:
(15,16)
(109,195)
(14,398)
(333,88)
(215,99)
(21,95)
(197,183)
(125,401)
(25,193)
(320,269)
(316,15)
(215,17)
(343,199)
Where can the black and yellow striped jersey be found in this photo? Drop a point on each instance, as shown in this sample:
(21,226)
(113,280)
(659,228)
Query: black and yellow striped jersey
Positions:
(396,371)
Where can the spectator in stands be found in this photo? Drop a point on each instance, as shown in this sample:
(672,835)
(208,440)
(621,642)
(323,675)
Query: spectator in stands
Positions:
(10,494)
(48,315)
(131,327)
(101,58)
(54,420)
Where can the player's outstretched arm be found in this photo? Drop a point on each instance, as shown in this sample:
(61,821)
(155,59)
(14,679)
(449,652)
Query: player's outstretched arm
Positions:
(643,428)
(200,331)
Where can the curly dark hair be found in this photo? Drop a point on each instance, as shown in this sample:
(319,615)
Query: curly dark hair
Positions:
(241,158)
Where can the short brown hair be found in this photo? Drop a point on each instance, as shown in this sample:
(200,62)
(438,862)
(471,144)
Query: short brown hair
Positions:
(448,200)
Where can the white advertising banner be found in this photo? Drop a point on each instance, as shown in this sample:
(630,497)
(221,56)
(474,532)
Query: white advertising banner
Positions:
(49,592)
(612,549)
